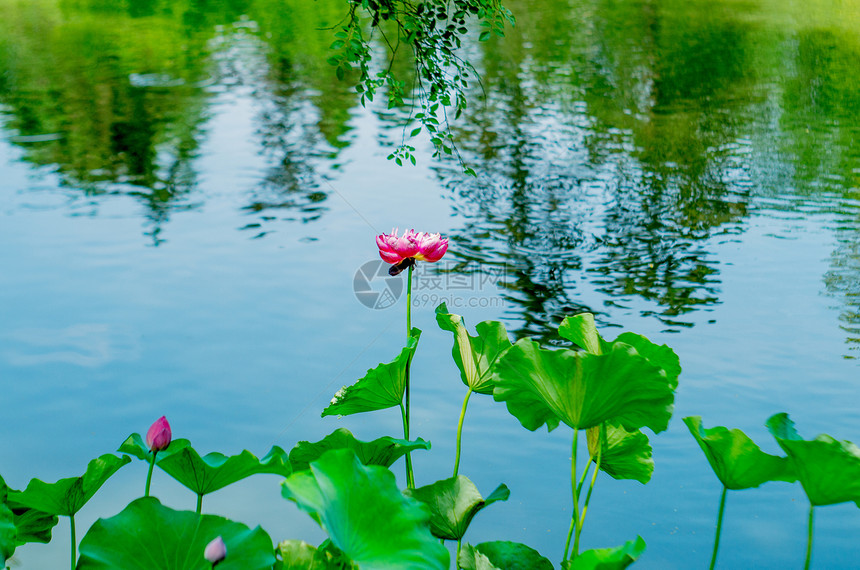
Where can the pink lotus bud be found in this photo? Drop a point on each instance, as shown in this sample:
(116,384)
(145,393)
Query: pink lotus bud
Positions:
(215,551)
(158,436)
(412,245)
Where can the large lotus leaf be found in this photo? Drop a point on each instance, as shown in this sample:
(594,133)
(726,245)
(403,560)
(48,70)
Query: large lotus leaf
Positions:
(382,387)
(625,454)
(828,469)
(147,535)
(454,503)
(501,555)
(136,446)
(299,555)
(609,558)
(736,459)
(383,451)
(582,389)
(581,330)
(365,514)
(67,496)
(214,471)
(475,356)
(8,531)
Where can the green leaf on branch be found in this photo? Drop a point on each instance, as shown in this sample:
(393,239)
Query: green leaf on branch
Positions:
(501,555)
(609,558)
(475,356)
(134,445)
(735,458)
(453,504)
(214,471)
(148,535)
(365,514)
(67,496)
(383,451)
(828,469)
(625,454)
(581,389)
(33,525)
(382,387)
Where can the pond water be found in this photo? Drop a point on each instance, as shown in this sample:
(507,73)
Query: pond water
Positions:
(187,193)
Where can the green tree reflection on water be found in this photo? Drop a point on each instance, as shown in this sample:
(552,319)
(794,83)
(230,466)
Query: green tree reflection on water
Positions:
(615,142)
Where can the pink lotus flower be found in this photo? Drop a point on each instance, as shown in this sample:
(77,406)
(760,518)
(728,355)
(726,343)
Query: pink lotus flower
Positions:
(412,246)
(158,436)
(215,551)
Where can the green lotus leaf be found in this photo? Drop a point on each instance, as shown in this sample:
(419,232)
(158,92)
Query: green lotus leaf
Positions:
(501,556)
(67,496)
(581,330)
(299,555)
(383,451)
(33,525)
(148,535)
(365,514)
(625,454)
(736,459)
(828,469)
(454,503)
(475,356)
(581,389)
(382,387)
(8,530)
(609,558)
(136,446)
(214,471)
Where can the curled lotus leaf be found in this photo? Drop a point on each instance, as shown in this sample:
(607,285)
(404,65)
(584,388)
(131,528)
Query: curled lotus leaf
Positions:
(214,471)
(615,558)
(67,496)
(453,503)
(828,469)
(624,454)
(501,555)
(383,451)
(735,458)
(474,355)
(136,446)
(583,390)
(365,514)
(381,388)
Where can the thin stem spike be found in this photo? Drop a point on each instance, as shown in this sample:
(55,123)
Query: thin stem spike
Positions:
(460,431)
(809,538)
(719,528)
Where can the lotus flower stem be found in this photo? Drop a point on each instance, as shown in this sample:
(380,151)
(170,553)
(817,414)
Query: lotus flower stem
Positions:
(582,478)
(719,528)
(74,553)
(149,474)
(460,431)
(588,495)
(574,519)
(199,503)
(410,476)
(809,538)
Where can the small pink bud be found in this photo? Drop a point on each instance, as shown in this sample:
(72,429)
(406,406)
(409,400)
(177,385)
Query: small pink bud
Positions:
(215,551)
(158,436)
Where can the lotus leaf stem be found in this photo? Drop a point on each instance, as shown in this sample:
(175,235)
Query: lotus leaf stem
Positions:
(590,489)
(719,528)
(199,503)
(574,520)
(72,527)
(809,537)
(460,431)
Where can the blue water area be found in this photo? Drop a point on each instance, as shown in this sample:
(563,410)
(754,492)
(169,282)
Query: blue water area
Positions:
(189,196)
